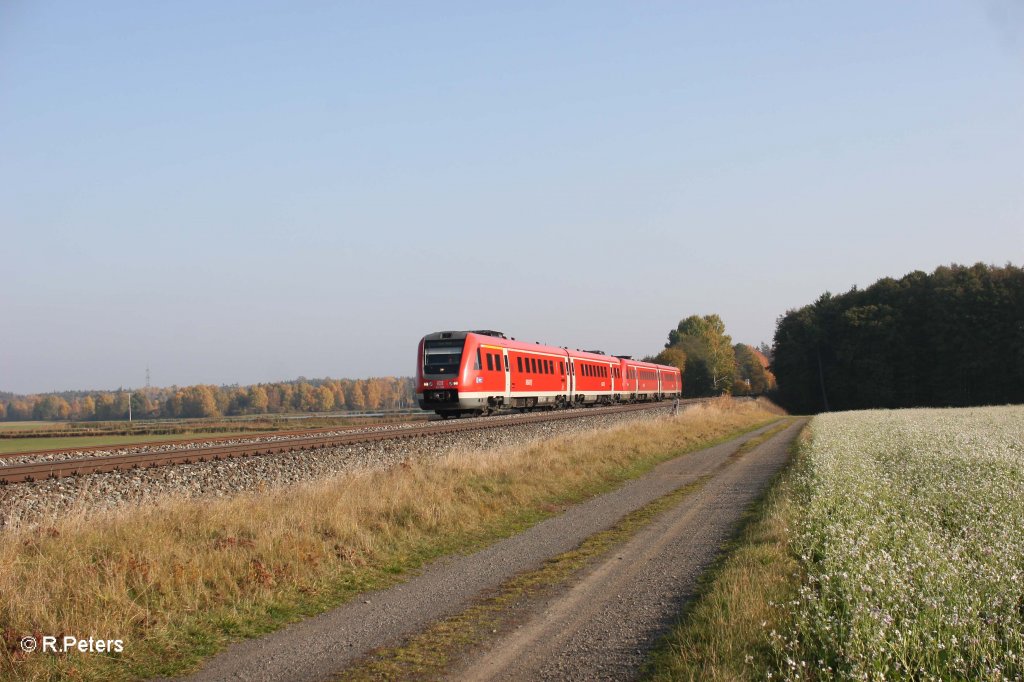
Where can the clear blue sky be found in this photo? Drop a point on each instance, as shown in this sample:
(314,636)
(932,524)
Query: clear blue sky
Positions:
(250,191)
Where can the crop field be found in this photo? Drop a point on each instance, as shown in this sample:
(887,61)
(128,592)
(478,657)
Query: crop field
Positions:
(909,530)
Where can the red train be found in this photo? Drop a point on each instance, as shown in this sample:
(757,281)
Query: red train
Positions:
(475,372)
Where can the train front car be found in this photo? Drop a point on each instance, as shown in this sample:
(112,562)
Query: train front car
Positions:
(438,369)
(450,375)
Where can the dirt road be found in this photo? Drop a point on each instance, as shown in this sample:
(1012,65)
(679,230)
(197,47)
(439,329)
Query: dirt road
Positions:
(646,590)
(604,625)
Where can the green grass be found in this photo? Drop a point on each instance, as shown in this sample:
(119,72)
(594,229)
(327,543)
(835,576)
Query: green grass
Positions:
(16,445)
(32,426)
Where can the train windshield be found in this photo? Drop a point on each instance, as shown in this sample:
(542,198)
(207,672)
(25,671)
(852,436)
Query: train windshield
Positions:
(442,357)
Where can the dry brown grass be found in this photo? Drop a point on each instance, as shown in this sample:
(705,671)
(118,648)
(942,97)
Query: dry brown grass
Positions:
(179,579)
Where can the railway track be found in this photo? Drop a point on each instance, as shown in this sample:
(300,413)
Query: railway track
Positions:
(183,442)
(78,466)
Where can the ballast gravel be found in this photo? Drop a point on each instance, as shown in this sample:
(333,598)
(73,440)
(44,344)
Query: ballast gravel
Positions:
(40,502)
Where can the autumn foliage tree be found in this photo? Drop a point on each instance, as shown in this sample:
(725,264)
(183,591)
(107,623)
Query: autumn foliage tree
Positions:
(302,395)
(710,363)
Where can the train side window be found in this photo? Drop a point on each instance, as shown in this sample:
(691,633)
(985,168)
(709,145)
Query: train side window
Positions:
(550,369)
(533,365)
(519,364)
(497,362)
(490,362)
(561,367)
(508,367)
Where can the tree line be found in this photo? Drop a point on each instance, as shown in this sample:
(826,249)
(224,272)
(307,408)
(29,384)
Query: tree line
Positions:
(954,337)
(711,364)
(302,395)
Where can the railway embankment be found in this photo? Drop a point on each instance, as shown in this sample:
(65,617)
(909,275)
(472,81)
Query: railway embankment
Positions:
(43,501)
(178,579)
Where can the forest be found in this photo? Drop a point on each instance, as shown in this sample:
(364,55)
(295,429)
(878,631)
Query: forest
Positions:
(954,337)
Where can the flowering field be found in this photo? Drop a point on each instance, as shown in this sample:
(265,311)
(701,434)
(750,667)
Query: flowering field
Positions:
(910,532)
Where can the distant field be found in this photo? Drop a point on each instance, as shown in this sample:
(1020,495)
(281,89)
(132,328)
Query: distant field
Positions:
(14,445)
(32,426)
(39,435)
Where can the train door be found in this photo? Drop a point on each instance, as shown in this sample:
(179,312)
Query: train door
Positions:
(570,367)
(508,377)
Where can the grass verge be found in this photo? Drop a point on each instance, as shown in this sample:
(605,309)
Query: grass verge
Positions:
(179,580)
(724,634)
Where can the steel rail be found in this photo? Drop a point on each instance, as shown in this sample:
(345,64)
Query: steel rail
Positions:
(38,471)
(248,435)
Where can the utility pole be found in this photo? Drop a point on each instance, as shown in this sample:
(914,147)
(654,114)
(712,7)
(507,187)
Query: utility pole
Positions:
(129,406)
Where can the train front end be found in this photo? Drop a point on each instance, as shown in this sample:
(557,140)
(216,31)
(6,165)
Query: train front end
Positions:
(438,370)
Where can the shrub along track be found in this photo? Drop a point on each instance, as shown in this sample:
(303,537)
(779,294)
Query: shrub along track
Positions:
(30,471)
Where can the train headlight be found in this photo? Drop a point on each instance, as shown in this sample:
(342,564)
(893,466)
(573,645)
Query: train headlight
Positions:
(455,383)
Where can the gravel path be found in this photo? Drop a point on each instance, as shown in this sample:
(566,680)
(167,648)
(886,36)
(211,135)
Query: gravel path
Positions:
(604,626)
(316,648)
